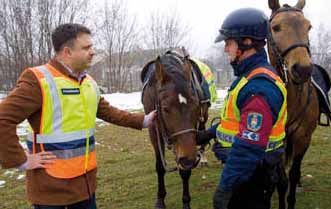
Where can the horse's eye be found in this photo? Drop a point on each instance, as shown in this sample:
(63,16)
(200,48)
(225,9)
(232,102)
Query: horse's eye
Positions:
(276,28)
(309,28)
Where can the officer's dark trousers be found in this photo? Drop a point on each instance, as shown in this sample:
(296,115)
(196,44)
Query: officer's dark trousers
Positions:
(257,192)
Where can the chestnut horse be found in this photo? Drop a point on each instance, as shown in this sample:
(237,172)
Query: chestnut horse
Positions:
(288,47)
(169,88)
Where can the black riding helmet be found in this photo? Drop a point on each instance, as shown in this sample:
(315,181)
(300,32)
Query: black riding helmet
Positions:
(244,23)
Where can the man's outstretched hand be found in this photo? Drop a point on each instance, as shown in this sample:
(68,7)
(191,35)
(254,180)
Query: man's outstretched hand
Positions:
(149,118)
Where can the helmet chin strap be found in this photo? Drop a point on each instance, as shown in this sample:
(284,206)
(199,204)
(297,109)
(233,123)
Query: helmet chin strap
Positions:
(238,55)
(241,49)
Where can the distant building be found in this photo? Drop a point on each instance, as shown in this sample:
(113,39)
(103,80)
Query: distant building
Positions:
(224,78)
(130,72)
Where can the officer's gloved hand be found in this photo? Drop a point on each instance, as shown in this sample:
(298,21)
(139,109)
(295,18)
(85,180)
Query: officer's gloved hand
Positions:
(221,198)
(203,137)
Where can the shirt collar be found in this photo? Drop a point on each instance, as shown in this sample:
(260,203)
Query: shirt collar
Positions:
(80,76)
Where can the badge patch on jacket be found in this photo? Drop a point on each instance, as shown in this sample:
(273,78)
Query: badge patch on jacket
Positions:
(253,136)
(70,91)
(254,121)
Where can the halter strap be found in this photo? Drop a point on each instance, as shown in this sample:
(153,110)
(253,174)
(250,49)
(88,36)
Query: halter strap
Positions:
(279,54)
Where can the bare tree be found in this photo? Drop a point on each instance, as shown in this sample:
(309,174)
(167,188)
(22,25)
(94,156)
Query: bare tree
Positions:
(25,34)
(165,31)
(119,35)
(321,51)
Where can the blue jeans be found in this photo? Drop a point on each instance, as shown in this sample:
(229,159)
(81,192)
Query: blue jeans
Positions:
(85,204)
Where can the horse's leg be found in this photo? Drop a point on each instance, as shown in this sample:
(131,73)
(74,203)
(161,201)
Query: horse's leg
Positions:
(203,161)
(202,126)
(161,193)
(160,170)
(294,178)
(186,192)
(282,185)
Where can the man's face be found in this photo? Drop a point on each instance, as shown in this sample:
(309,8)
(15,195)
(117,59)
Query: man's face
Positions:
(231,48)
(82,52)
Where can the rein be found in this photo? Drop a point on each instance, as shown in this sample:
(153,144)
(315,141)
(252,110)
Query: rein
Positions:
(164,130)
(282,68)
(162,136)
(303,112)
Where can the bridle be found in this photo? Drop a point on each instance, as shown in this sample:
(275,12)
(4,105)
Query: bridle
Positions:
(163,134)
(169,137)
(278,53)
(282,68)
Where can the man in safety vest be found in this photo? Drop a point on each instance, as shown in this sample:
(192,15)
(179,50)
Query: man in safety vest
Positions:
(253,117)
(61,102)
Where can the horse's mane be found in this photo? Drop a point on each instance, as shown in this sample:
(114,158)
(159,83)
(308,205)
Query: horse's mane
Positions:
(173,67)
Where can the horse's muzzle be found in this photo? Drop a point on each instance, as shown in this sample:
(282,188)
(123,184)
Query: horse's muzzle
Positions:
(186,164)
(301,74)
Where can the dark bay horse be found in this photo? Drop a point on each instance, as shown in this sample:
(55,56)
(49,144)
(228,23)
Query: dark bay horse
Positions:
(168,89)
(289,53)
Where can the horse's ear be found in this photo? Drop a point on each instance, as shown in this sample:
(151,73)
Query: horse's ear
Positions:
(187,68)
(274,5)
(301,4)
(159,70)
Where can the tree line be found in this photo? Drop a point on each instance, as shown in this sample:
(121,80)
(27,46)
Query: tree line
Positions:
(26,27)
(122,43)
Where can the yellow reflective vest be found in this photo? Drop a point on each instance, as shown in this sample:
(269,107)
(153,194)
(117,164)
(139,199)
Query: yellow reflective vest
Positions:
(230,114)
(209,77)
(67,123)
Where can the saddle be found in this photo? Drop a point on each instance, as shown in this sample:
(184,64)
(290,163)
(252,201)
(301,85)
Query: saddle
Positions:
(322,82)
(198,83)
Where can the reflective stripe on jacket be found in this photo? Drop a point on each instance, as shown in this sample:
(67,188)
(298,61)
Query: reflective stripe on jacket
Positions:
(230,113)
(67,123)
(209,77)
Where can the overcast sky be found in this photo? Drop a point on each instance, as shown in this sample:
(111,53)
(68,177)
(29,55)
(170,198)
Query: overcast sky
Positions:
(205,16)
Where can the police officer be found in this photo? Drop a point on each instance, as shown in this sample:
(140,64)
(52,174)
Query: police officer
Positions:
(253,116)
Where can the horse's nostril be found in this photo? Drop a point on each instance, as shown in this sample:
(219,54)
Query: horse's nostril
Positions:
(186,163)
(297,70)
(302,72)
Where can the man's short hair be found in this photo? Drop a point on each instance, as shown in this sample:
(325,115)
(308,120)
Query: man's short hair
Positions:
(65,34)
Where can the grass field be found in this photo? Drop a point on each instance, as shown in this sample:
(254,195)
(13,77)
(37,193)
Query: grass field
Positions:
(127,178)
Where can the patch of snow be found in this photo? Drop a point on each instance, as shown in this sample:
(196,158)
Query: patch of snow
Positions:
(22,128)
(9,173)
(101,124)
(129,101)
(2,96)
(23,144)
(2,183)
(20,177)
(124,101)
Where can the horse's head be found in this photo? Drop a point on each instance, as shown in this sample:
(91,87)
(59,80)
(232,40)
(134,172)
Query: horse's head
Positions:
(289,40)
(177,106)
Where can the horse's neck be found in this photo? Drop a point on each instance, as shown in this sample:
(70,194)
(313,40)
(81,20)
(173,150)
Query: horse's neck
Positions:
(298,97)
